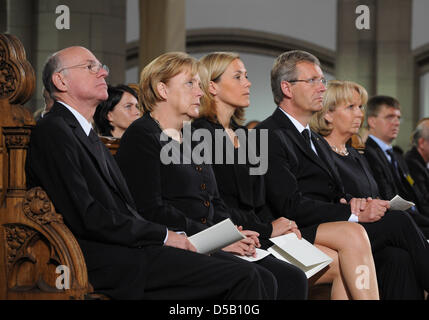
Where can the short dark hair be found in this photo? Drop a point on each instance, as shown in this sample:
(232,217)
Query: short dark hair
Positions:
(102,124)
(375,103)
(53,63)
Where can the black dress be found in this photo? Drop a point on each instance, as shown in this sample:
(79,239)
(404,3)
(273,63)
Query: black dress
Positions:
(358,180)
(238,188)
(184,196)
(356,174)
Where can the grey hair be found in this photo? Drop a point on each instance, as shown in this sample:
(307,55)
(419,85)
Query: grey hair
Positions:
(52,65)
(421,131)
(284,69)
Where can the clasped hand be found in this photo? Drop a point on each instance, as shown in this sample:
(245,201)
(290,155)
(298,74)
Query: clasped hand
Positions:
(247,246)
(368,210)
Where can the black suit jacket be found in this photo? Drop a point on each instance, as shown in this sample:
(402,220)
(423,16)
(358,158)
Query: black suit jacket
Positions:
(97,207)
(419,172)
(380,169)
(386,183)
(299,184)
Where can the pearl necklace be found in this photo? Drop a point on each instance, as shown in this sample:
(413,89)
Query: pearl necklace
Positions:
(340,152)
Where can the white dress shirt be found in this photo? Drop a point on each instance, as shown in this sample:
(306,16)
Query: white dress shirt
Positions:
(300,128)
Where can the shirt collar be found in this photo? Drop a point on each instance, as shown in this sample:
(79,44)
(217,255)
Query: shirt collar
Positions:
(296,123)
(383,145)
(85,124)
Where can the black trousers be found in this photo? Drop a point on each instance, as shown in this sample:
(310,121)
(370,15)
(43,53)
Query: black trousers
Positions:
(398,230)
(156,272)
(395,275)
(421,221)
(291,281)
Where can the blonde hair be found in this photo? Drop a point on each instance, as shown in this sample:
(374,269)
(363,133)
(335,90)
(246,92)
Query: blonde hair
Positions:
(162,69)
(337,93)
(216,63)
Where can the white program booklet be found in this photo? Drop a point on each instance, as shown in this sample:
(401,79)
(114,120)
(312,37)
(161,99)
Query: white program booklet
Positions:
(216,237)
(397,203)
(260,254)
(300,253)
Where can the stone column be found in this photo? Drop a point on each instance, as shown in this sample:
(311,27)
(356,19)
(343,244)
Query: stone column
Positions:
(356,49)
(395,64)
(98,25)
(162,28)
(20,22)
(380,58)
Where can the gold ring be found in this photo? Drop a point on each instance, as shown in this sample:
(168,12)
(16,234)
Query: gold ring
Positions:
(290,222)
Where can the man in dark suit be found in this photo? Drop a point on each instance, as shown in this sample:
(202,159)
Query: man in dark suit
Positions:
(302,182)
(127,257)
(417,158)
(389,167)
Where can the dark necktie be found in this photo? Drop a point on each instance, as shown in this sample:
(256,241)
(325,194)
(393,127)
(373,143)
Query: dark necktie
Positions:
(394,162)
(96,140)
(306,134)
(396,169)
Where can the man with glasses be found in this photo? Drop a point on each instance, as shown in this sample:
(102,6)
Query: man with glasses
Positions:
(302,182)
(127,257)
(388,166)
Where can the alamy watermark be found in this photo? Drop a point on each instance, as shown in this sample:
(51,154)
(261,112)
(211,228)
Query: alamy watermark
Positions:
(363,279)
(63,280)
(63,20)
(199,145)
(363,20)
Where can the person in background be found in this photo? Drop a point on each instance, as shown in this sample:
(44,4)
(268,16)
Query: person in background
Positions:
(48,103)
(388,166)
(417,158)
(251,124)
(113,116)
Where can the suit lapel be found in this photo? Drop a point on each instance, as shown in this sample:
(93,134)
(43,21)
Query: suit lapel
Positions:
(361,161)
(290,131)
(91,145)
(325,154)
(382,159)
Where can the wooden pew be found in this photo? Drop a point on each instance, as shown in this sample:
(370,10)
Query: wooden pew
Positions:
(34,239)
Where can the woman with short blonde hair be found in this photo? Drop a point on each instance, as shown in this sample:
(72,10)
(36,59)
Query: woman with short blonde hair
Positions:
(339,92)
(162,69)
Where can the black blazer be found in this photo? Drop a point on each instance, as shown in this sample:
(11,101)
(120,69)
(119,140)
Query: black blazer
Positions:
(380,169)
(239,189)
(184,197)
(99,211)
(419,172)
(299,184)
(386,182)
